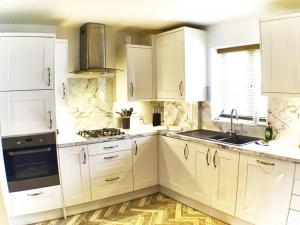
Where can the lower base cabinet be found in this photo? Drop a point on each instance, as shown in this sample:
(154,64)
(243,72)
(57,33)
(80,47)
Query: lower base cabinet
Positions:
(216,177)
(145,166)
(75,177)
(294,217)
(264,190)
(36,200)
(111,185)
(176,165)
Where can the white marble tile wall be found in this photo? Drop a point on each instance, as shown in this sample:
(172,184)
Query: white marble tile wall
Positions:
(90,102)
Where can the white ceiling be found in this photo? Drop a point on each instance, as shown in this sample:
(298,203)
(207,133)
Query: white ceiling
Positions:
(148,14)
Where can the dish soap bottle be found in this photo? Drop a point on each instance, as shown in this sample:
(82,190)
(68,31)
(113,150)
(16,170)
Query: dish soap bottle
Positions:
(269,132)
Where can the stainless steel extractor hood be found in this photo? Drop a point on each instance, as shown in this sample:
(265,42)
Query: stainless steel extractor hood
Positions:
(93,51)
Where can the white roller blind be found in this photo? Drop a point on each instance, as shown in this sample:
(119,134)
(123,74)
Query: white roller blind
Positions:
(236,83)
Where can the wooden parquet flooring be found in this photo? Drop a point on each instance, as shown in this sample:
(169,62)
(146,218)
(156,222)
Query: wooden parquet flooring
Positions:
(149,210)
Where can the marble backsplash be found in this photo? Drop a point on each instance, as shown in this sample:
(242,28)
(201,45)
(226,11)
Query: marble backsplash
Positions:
(91,104)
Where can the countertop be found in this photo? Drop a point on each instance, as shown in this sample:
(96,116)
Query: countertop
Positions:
(281,150)
(73,139)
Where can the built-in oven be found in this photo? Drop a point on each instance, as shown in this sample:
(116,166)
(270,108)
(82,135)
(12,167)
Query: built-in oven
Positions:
(30,161)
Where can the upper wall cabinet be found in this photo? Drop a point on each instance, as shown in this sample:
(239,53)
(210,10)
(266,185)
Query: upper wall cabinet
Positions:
(181,64)
(61,70)
(280,47)
(28,58)
(135,81)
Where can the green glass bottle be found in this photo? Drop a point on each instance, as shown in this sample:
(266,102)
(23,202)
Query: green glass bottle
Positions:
(269,132)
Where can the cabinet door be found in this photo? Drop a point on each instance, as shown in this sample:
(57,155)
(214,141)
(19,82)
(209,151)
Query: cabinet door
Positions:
(61,70)
(74,172)
(27,112)
(26,63)
(224,180)
(264,187)
(139,72)
(280,41)
(203,173)
(176,165)
(145,162)
(170,68)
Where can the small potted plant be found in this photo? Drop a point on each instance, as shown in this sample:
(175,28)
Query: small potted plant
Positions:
(125,116)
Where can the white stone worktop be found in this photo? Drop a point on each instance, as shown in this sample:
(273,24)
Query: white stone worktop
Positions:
(73,139)
(282,150)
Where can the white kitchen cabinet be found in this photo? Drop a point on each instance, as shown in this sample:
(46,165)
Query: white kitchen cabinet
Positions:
(61,70)
(36,200)
(111,185)
(264,190)
(176,165)
(216,177)
(181,64)
(203,173)
(145,168)
(27,112)
(75,177)
(280,41)
(134,80)
(26,61)
(294,217)
(224,180)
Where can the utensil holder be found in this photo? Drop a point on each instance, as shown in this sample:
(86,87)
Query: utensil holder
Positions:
(126,123)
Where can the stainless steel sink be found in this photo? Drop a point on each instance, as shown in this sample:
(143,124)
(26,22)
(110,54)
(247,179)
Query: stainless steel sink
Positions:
(226,138)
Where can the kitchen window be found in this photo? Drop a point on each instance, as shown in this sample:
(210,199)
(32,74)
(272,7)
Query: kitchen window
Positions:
(236,83)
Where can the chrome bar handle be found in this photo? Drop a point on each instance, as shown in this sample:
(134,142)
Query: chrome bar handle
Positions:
(49,76)
(265,163)
(111,157)
(131,89)
(35,194)
(50,120)
(84,157)
(64,91)
(112,179)
(214,159)
(208,152)
(136,148)
(110,147)
(181,88)
(185,152)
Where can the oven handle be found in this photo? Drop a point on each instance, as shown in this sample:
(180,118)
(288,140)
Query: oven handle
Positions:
(29,152)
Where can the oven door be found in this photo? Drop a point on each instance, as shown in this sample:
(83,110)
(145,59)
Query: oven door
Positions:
(31,167)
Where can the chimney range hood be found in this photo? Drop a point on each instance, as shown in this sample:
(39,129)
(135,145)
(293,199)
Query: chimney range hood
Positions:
(93,51)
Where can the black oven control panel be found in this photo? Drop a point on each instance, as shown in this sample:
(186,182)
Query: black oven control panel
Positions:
(28,141)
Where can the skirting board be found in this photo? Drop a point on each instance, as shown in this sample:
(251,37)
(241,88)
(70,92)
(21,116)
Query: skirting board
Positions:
(86,207)
(202,208)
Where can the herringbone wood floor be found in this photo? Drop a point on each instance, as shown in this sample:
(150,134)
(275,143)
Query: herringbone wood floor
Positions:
(149,210)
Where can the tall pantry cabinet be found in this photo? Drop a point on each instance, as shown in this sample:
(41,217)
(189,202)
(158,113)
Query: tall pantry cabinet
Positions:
(27,83)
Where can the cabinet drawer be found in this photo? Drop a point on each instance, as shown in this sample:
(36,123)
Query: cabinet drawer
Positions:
(294,218)
(296,188)
(295,202)
(111,185)
(37,200)
(111,146)
(297,173)
(110,163)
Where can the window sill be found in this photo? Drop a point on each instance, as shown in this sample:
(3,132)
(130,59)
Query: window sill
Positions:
(240,122)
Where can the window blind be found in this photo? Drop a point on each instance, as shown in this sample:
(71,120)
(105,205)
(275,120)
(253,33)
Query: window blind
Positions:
(237,84)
